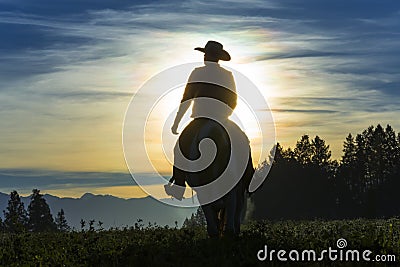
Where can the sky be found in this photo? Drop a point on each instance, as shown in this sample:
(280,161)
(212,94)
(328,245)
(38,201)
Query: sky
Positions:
(69,69)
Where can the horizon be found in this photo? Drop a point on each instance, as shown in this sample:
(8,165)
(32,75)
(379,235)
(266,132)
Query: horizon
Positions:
(79,197)
(116,184)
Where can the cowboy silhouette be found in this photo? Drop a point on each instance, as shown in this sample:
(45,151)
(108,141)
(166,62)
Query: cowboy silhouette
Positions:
(211,90)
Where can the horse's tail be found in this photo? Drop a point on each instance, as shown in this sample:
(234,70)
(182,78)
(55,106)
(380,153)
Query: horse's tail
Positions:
(248,173)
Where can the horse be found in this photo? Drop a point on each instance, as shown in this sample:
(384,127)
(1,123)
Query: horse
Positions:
(224,214)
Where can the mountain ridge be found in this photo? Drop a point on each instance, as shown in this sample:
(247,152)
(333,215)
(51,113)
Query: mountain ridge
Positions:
(112,211)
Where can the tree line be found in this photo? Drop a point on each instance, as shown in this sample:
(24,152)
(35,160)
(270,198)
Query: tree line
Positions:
(306,183)
(37,218)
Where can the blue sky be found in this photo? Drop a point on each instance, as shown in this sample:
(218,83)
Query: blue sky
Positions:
(68,70)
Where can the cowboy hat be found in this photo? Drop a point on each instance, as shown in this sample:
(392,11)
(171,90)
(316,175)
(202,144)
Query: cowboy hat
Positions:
(216,49)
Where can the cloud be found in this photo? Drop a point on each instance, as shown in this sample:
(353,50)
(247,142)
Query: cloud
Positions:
(301,54)
(86,95)
(64,7)
(305,110)
(333,64)
(28,179)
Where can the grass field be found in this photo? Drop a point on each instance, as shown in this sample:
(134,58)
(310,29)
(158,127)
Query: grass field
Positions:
(162,246)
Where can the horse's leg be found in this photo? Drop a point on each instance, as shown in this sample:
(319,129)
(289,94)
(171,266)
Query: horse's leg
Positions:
(230,212)
(221,221)
(234,203)
(240,201)
(212,220)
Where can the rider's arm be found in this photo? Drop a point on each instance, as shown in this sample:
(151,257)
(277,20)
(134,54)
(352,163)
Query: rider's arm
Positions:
(187,98)
(183,107)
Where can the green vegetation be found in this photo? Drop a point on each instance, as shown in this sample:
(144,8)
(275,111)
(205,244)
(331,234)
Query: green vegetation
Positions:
(163,246)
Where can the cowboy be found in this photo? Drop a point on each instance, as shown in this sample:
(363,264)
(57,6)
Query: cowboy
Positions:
(212,91)
(208,82)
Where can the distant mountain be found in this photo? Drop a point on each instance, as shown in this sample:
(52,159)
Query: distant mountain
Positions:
(111,210)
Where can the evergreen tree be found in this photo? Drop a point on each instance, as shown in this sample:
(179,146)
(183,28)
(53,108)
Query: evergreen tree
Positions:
(361,162)
(303,150)
(378,156)
(398,149)
(40,218)
(279,156)
(392,151)
(349,151)
(61,222)
(196,220)
(15,216)
(369,168)
(321,154)
(347,181)
(348,170)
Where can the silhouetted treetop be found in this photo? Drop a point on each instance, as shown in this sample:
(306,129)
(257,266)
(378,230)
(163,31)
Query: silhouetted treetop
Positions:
(15,215)
(40,218)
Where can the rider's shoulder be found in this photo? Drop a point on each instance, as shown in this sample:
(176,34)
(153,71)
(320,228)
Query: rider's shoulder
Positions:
(212,68)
